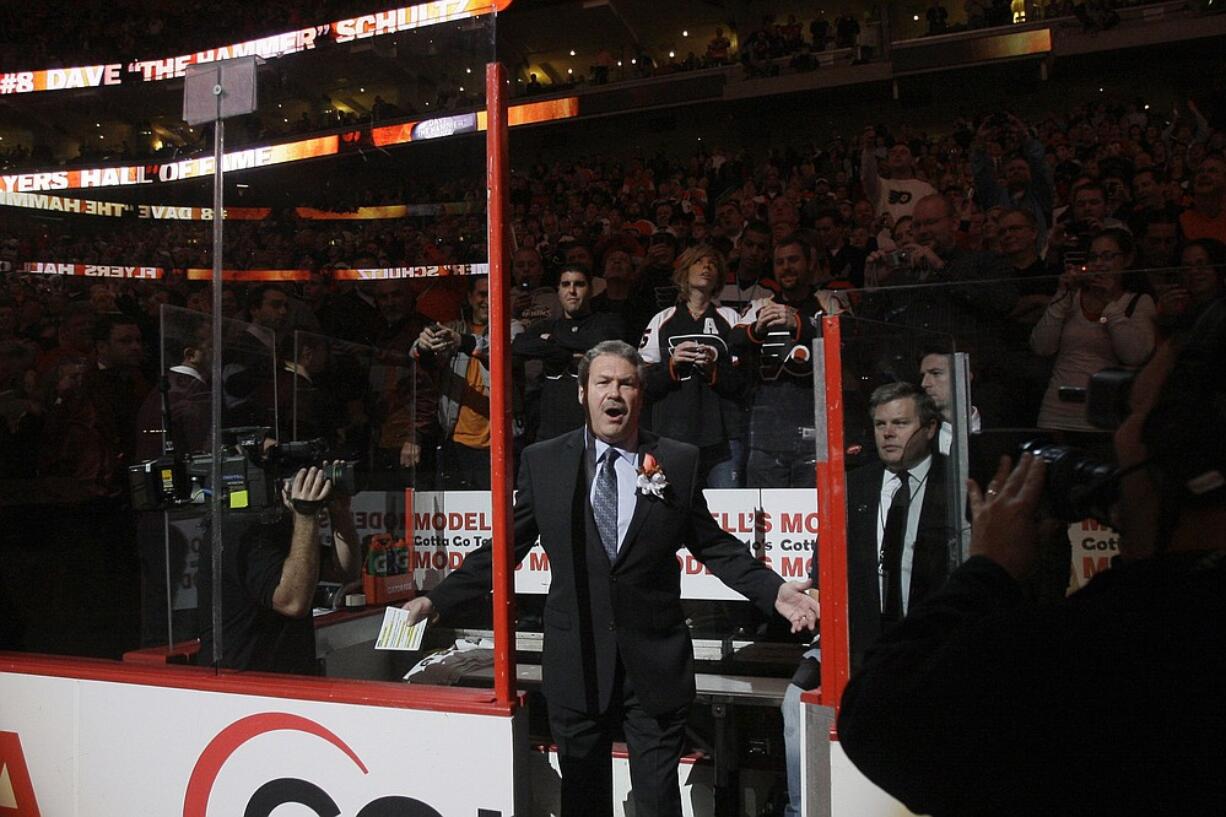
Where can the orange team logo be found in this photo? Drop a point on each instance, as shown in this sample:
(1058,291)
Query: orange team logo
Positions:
(16,791)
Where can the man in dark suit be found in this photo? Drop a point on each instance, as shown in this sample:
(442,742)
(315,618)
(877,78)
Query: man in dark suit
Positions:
(899,543)
(617,653)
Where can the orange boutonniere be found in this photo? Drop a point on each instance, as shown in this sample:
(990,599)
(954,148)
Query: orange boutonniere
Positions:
(651,478)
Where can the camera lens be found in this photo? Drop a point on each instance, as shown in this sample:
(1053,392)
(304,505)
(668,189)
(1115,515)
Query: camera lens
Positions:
(1079,486)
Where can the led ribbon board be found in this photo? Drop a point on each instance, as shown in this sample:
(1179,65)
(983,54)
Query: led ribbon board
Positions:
(350,29)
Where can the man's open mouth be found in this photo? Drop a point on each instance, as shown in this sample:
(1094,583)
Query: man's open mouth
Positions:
(614,410)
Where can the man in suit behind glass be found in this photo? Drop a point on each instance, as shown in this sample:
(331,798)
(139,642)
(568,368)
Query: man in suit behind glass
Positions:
(617,654)
(898,541)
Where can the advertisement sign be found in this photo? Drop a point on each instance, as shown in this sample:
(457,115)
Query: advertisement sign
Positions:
(779,526)
(1094,546)
(108,749)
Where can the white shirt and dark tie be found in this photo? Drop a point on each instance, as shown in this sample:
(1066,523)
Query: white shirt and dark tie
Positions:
(625,468)
(917,477)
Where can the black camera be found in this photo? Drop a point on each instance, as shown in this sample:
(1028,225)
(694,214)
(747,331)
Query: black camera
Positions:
(898,259)
(250,473)
(1079,485)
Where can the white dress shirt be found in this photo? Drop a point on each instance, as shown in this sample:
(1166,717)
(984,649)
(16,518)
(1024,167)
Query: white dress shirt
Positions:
(945,433)
(890,483)
(626,469)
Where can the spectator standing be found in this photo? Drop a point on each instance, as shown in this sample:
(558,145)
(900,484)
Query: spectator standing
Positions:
(559,343)
(749,279)
(846,29)
(718,48)
(457,353)
(1028,177)
(896,195)
(937,17)
(1094,320)
(775,338)
(693,381)
(843,263)
(1206,218)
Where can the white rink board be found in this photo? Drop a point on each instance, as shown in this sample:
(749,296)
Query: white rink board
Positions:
(108,749)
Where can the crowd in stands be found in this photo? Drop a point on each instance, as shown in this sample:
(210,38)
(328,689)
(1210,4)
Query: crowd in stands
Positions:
(50,37)
(1048,249)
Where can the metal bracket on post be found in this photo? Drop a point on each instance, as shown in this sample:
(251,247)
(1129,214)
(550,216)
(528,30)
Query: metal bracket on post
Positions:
(211,93)
(959,449)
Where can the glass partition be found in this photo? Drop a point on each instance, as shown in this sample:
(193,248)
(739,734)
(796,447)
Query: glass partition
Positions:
(1009,364)
(903,502)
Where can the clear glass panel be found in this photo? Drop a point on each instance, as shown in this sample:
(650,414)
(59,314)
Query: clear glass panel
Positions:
(902,539)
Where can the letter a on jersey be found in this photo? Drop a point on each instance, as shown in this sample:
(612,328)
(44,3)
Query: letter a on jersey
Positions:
(16,790)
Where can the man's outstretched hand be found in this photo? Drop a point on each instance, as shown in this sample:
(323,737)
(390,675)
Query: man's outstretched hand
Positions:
(797,606)
(419,609)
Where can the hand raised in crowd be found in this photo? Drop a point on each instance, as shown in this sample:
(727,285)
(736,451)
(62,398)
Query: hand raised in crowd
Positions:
(1004,519)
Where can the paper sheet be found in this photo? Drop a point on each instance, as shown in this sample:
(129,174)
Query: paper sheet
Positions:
(396,632)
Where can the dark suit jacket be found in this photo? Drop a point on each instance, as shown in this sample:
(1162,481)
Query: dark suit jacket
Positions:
(596,611)
(935,543)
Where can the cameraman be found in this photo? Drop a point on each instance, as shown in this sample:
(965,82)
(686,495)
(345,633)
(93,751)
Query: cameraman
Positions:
(269,572)
(980,704)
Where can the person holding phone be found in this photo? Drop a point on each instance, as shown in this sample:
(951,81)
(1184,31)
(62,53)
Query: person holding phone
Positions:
(693,381)
(1096,319)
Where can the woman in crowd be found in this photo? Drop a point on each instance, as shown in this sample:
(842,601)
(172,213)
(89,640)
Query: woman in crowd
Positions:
(693,383)
(1096,319)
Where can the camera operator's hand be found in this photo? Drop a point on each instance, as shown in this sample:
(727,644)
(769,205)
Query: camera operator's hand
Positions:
(307,492)
(1004,519)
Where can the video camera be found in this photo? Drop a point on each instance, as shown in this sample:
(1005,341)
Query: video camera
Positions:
(250,472)
(1079,485)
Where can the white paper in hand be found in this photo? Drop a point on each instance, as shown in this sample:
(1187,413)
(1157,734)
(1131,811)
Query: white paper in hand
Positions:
(396,632)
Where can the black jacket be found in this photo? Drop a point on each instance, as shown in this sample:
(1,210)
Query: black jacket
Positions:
(596,612)
(935,541)
(1107,703)
(555,342)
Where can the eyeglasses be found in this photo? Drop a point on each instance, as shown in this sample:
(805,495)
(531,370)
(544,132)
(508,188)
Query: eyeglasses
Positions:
(1104,257)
